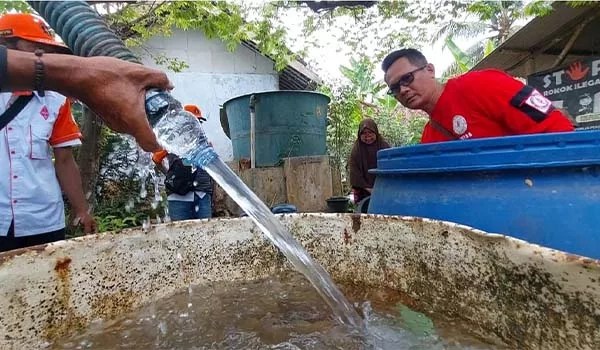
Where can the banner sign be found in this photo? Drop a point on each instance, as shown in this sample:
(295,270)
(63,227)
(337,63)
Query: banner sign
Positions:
(574,88)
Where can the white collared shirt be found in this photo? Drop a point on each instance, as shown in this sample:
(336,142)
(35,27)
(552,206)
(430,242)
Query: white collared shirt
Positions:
(29,190)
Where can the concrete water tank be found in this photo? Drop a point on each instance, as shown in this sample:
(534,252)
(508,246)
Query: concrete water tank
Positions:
(288,124)
(529,296)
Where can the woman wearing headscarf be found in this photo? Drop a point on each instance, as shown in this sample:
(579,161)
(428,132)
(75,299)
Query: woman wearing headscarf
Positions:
(364,157)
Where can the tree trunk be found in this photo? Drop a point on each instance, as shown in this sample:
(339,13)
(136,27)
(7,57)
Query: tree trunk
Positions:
(88,158)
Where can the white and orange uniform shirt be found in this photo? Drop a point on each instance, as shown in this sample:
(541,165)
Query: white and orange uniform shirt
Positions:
(29,190)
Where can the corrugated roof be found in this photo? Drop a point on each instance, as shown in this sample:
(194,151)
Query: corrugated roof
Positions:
(536,46)
(295,76)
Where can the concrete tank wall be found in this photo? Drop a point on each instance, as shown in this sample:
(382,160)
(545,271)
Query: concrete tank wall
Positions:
(529,296)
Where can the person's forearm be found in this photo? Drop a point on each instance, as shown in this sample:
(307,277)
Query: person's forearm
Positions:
(114,89)
(20,71)
(62,73)
(69,179)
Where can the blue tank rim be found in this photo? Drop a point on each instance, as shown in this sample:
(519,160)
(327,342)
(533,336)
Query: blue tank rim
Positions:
(578,148)
(267,92)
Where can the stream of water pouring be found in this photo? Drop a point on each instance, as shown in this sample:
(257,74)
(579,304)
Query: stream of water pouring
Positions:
(279,236)
(181,133)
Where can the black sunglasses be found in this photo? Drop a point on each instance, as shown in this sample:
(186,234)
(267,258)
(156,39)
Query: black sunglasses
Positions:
(404,80)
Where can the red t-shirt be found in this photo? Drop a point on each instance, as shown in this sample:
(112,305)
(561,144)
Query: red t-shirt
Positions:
(491,103)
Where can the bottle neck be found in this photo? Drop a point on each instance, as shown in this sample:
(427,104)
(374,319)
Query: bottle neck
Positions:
(202,156)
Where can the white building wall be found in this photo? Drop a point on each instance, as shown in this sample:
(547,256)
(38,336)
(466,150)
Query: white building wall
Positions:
(214,76)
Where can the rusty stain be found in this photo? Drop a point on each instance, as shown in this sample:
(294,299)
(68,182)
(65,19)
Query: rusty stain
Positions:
(571,257)
(580,259)
(587,261)
(356,222)
(61,318)
(347,237)
(62,266)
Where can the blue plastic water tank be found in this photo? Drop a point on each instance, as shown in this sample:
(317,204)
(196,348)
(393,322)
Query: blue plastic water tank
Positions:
(544,189)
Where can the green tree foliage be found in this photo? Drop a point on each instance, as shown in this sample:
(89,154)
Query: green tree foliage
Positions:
(491,21)
(126,195)
(138,21)
(465,60)
(16,5)
(118,203)
(370,31)
(372,101)
(538,8)
(462,60)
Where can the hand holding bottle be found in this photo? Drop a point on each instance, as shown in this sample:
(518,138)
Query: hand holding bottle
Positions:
(112,88)
(116,91)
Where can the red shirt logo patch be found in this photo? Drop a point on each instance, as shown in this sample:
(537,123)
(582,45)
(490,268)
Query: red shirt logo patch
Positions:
(44,112)
(459,124)
(539,102)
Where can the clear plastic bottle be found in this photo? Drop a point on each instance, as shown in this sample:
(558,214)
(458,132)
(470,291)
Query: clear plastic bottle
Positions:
(177,130)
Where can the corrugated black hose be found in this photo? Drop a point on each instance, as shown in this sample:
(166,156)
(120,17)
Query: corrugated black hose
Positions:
(82,29)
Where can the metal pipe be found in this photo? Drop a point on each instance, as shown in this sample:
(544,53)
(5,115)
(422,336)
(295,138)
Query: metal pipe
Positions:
(252,132)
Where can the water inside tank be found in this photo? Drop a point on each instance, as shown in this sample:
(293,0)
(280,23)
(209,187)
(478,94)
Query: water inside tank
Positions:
(281,312)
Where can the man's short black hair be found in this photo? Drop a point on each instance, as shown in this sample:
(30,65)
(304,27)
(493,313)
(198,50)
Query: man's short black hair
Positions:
(413,56)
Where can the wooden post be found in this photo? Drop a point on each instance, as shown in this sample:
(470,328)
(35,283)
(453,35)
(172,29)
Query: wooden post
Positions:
(530,66)
(571,41)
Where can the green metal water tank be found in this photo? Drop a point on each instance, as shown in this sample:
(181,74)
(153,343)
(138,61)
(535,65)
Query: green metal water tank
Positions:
(288,124)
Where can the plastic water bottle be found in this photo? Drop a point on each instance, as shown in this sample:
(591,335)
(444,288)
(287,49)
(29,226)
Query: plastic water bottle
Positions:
(178,131)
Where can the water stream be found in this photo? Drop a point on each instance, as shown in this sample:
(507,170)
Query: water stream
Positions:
(179,132)
(279,236)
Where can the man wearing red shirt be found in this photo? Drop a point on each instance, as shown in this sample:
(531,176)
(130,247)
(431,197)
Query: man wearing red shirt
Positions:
(487,103)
